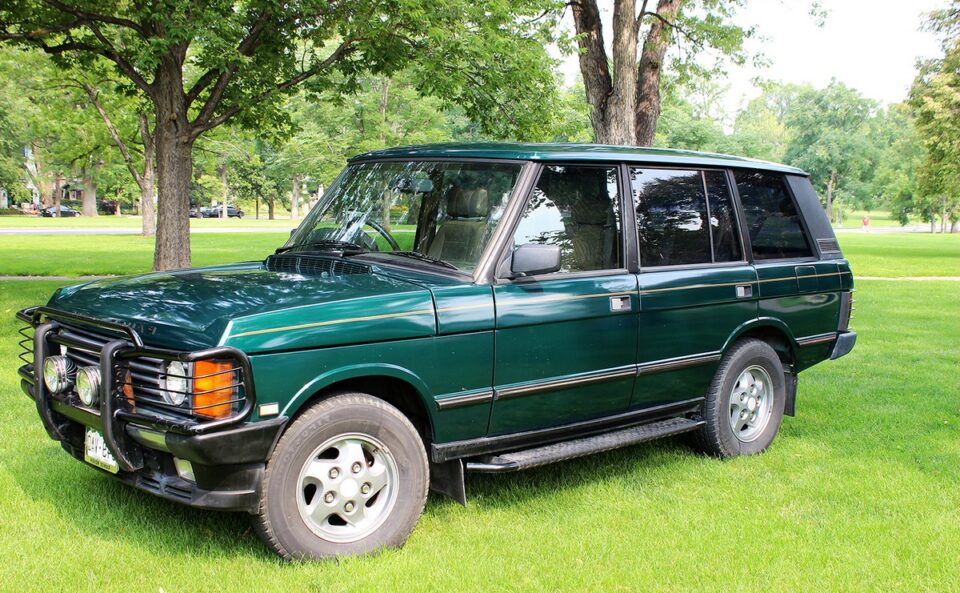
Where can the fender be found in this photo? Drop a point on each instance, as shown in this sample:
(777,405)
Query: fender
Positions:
(759,323)
(358,371)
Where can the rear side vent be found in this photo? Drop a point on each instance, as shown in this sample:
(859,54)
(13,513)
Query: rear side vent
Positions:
(829,247)
(314,265)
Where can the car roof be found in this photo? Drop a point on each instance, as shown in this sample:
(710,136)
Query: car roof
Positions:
(573,152)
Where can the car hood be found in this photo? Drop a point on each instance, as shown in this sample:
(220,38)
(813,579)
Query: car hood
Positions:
(255,308)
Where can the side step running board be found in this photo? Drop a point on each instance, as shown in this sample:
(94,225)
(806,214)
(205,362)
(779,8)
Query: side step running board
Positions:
(538,456)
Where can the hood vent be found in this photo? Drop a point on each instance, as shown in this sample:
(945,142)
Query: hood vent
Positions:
(313,265)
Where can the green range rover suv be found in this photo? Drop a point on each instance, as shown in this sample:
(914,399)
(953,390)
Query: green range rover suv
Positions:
(451,308)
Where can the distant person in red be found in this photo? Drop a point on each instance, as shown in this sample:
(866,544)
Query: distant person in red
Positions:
(866,223)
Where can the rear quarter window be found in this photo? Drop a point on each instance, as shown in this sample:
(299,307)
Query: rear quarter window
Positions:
(773,223)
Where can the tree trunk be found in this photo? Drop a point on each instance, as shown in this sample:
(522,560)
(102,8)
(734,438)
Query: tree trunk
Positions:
(57,195)
(174,170)
(943,214)
(651,70)
(933,224)
(89,204)
(830,181)
(954,226)
(295,198)
(270,209)
(148,179)
(146,197)
(222,171)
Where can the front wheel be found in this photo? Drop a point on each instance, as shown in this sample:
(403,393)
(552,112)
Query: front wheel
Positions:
(350,476)
(744,406)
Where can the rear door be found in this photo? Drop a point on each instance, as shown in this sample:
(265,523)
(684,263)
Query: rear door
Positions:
(696,285)
(795,286)
(566,342)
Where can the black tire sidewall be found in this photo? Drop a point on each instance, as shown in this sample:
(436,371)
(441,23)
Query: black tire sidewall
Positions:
(743,356)
(342,415)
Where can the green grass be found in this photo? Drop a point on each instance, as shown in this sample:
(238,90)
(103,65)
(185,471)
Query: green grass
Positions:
(878,218)
(860,492)
(879,254)
(902,254)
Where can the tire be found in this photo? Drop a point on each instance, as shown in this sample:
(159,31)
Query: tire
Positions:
(317,457)
(731,428)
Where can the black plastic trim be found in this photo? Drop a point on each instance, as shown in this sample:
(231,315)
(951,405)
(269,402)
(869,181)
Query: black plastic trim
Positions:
(845,343)
(441,452)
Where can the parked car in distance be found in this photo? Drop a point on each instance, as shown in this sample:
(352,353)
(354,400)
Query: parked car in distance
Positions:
(65,212)
(232,212)
(553,301)
(199,212)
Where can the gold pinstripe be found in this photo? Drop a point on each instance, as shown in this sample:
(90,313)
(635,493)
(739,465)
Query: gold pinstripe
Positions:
(722,284)
(333,322)
(549,298)
(532,301)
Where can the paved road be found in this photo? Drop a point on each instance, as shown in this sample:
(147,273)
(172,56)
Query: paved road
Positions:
(128,231)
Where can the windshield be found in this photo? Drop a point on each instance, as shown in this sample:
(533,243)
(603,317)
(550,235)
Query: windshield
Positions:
(439,212)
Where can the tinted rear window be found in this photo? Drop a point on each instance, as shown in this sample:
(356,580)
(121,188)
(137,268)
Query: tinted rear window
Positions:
(772,219)
(684,217)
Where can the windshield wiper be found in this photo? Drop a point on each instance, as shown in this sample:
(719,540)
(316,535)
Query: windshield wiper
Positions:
(342,246)
(419,256)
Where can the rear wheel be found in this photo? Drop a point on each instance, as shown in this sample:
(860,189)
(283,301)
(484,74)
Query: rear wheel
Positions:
(348,477)
(744,406)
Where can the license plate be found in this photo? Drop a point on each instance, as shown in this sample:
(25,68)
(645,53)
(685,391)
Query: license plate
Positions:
(95,452)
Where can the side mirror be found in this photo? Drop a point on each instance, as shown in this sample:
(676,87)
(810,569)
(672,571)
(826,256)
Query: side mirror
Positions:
(532,259)
(293,230)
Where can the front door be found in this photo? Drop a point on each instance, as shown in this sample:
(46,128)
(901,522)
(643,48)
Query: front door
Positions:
(566,341)
(696,286)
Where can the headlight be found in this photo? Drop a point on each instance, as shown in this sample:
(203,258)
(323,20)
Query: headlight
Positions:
(175,382)
(88,385)
(58,373)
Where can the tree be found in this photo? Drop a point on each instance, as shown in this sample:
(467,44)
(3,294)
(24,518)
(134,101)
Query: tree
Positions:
(827,137)
(935,98)
(201,65)
(624,93)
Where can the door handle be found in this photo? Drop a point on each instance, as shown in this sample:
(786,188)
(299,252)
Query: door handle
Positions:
(744,291)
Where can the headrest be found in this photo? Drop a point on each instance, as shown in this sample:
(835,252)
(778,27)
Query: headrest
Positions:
(468,203)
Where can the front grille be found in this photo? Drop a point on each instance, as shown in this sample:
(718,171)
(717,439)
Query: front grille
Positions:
(291,263)
(140,380)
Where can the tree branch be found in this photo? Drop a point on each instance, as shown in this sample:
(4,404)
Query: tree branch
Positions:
(673,25)
(109,52)
(121,145)
(342,50)
(246,48)
(93,16)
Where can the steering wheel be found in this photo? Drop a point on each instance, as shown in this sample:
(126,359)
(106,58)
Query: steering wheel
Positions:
(371,244)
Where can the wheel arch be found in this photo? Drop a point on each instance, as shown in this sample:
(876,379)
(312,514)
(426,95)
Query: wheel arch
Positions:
(773,331)
(393,384)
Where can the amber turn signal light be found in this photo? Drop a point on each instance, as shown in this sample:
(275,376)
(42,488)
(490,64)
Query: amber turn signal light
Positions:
(213,388)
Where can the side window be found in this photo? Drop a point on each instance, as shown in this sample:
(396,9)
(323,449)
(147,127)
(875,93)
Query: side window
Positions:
(684,217)
(577,208)
(772,218)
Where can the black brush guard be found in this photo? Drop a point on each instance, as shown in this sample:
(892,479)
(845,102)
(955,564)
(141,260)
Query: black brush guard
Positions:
(113,417)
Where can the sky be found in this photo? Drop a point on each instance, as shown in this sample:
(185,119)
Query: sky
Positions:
(870,45)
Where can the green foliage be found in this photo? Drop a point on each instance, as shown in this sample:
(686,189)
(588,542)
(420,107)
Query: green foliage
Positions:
(828,135)
(936,102)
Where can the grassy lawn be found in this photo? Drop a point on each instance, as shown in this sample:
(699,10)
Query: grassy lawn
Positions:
(878,218)
(860,492)
(901,254)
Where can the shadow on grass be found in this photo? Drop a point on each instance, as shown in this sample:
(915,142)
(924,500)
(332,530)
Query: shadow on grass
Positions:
(99,506)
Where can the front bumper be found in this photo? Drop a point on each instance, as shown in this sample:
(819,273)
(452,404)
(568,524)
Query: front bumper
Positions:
(226,458)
